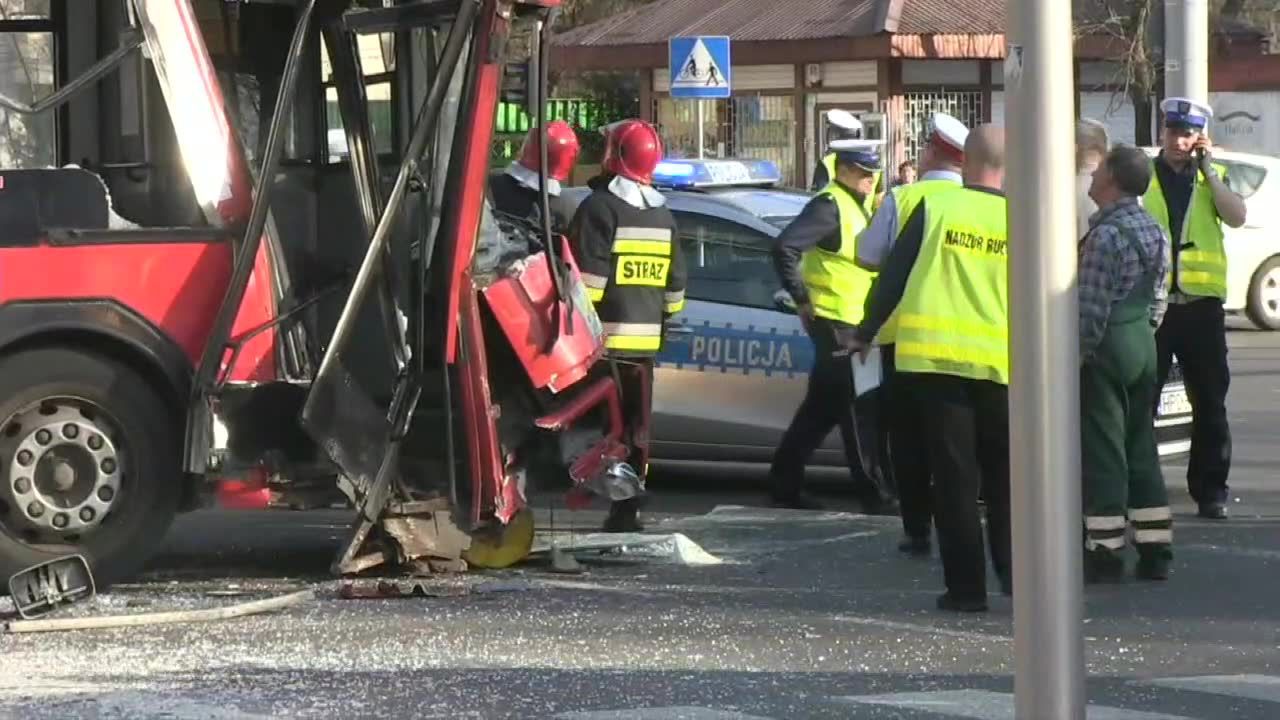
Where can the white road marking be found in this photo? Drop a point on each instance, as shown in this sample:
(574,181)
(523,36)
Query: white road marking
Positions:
(726,514)
(985,705)
(767,548)
(926,629)
(1253,687)
(663,713)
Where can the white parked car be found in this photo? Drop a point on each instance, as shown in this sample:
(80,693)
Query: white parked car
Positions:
(1253,251)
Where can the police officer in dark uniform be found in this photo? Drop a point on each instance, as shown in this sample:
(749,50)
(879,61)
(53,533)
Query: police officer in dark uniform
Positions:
(624,240)
(815,257)
(514,192)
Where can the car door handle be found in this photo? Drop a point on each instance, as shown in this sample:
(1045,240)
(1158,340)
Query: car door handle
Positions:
(679,330)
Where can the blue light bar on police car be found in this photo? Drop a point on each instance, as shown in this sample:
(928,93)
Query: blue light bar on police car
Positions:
(678,174)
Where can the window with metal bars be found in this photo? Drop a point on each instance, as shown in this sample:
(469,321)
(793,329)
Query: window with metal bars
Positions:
(919,107)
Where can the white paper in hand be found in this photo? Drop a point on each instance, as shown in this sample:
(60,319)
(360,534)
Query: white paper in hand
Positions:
(867,374)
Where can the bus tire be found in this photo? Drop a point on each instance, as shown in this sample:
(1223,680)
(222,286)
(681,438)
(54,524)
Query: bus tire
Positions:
(90,455)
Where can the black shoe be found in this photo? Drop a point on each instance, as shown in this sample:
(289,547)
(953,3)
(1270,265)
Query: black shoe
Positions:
(798,501)
(947,601)
(624,517)
(880,506)
(916,546)
(1152,568)
(1213,511)
(1153,562)
(1103,566)
(1006,584)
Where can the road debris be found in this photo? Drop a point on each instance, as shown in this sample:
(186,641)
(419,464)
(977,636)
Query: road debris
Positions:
(674,547)
(43,588)
(161,618)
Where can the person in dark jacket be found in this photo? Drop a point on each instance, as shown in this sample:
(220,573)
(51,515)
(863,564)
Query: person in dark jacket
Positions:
(514,192)
(1124,259)
(816,259)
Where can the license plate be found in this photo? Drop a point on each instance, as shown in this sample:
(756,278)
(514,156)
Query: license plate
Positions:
(1175,402)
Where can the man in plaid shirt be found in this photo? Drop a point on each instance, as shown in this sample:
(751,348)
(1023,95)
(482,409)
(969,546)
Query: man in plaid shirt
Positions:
(1124,260)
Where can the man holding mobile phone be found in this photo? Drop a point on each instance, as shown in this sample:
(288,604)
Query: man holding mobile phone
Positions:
(1189,197)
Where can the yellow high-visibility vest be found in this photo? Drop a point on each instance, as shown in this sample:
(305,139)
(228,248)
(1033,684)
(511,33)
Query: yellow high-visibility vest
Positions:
(837,286)
(906,198)
(1201,267)
(953,318)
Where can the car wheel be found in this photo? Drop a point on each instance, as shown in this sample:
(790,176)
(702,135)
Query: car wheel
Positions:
(89,453)
(1263,307)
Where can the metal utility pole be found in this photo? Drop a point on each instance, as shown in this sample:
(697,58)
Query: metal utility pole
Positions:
(1044,395)
(1186,50)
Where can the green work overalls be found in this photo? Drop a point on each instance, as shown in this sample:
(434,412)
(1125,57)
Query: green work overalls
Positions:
(1122,478)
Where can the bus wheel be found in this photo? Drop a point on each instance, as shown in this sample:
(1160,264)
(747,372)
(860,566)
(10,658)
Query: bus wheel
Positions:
(90,460)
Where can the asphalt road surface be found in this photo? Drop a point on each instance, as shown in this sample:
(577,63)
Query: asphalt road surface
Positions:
(807,615)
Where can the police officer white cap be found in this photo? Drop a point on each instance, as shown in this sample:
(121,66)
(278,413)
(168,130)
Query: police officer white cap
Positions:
(863,153)
(949,131)
(845,120)
(1183,112)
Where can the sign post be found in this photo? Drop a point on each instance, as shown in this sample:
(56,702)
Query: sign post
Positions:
(700,70)
(1186,50)
(1044,399)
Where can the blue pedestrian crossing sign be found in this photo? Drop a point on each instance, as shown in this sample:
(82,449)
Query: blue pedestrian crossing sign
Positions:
(700,67)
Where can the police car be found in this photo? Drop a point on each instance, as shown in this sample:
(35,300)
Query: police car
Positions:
(734,364)
(1253,251)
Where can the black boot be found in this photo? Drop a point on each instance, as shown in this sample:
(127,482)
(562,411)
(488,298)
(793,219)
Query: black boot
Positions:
(947,601)
(624,517)
(1103,566)
(796,501)
(1153,562)
(1213,511)
(879,505)
(916,546)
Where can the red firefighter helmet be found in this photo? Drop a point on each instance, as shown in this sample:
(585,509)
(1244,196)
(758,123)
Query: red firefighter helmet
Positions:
(562,150)
(632,150)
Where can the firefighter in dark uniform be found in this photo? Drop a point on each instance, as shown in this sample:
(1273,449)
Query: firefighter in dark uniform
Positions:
(625,242)
(815,257)
(1189,198)
(514,192)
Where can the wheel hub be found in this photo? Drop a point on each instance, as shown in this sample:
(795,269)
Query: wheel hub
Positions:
(1270,292)
(63,472)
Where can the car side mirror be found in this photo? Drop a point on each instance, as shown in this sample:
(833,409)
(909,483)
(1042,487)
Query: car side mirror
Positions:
(784,302)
